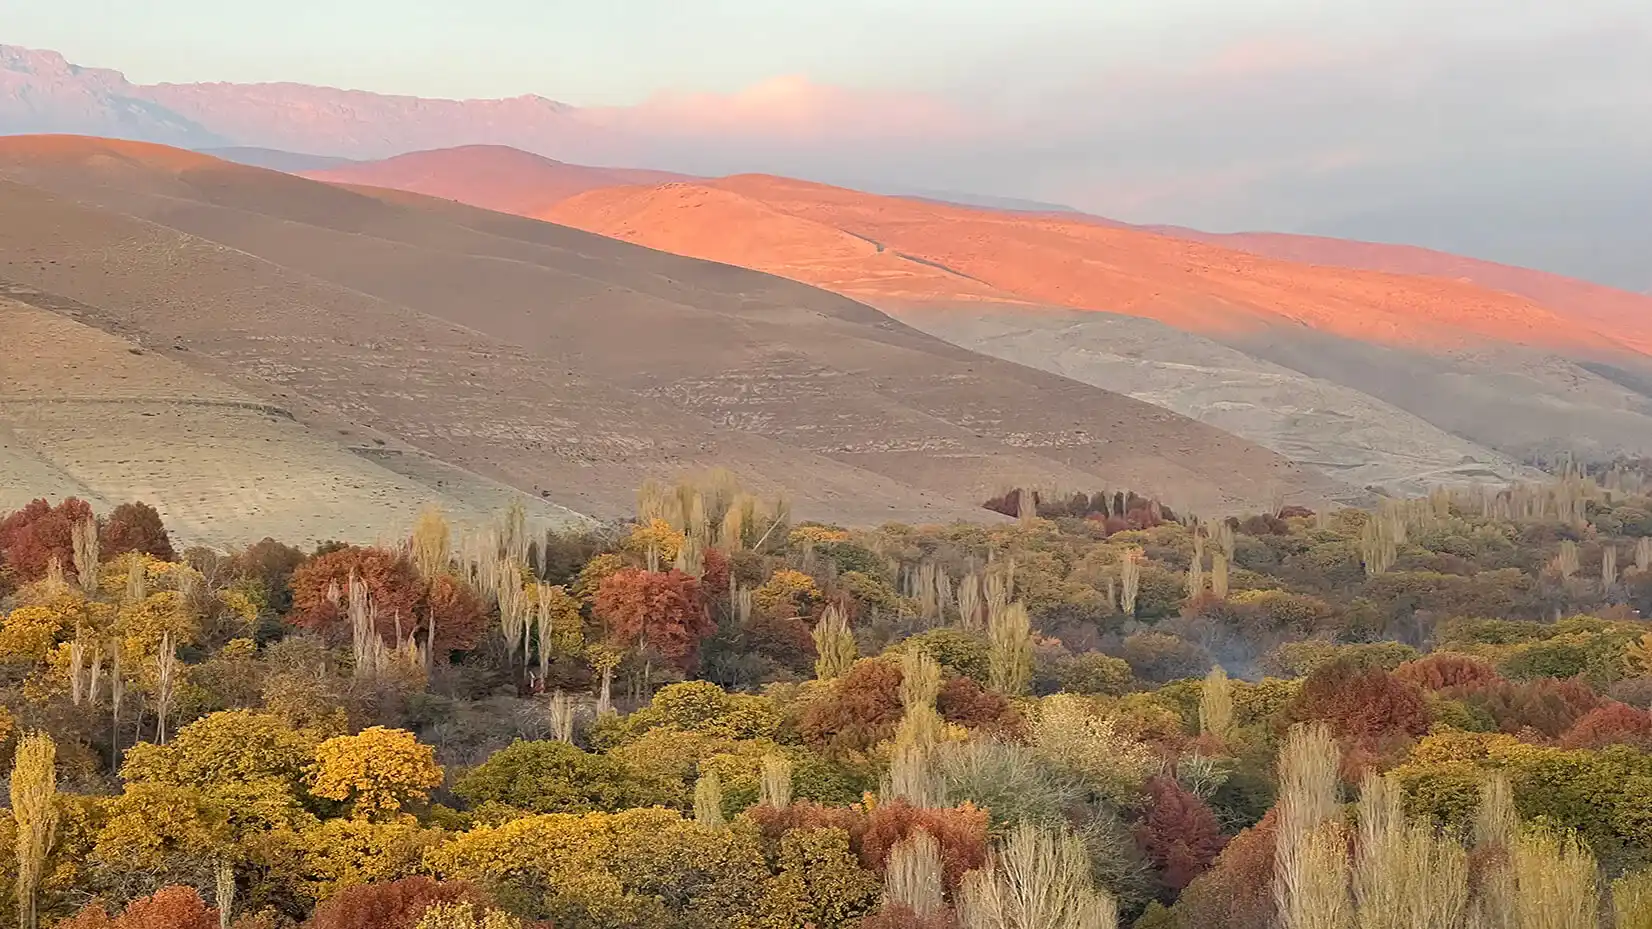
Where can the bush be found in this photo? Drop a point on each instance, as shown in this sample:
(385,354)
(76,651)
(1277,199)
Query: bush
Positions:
(1090,673)
(554,777)
(393,905)
(958,651)
(135,527)
(1160,657)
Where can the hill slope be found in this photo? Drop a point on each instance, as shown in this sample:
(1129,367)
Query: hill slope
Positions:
(490,176)
(1503,371)
(1607,308)
(95,416)
(568,364)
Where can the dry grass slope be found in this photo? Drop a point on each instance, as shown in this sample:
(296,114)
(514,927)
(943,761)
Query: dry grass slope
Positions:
(566,364)
(84,413)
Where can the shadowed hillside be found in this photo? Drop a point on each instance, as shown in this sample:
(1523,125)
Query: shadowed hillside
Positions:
(566,364)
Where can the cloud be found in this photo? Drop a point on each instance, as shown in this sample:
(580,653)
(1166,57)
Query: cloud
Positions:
(788,110)
(1508,131)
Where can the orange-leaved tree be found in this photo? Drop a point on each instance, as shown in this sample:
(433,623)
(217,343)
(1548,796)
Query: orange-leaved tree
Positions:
(400,598)
(31,537)
(660,610)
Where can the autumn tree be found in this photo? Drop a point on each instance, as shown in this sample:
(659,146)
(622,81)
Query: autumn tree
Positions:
(864,707)
(658,610)
(392,905)
(1611,724)
(1370,710)
(1236,892)
(35,815)
(402,601)
(171,907)
(1179,833)
(253,762)
(554,777)
(377,774)
(271,564)
(31,537)
(786,593)
(1441,670)
(135,527)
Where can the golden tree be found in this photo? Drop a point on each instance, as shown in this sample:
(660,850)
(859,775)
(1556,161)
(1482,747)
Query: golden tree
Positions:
(34,810)
(379,772)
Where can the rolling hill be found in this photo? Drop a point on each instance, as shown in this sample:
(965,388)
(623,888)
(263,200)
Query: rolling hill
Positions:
(95,416)
(564,364)
(493,177)
(1444,378)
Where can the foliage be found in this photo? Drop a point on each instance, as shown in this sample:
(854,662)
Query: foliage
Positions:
(291,779)
(1178,832)
(31,537)
(554,777)
(172,907)
(394,905)
(786,593)
(135,527)
(662,611)
(377,773)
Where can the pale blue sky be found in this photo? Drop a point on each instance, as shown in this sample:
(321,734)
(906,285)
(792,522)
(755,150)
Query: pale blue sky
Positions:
(620,51)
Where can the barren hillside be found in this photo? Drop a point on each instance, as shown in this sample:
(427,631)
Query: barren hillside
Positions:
(490,176)
(1505,374)
(84,413)
(567,364)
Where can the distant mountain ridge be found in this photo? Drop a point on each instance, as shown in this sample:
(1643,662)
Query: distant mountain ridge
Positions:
(276,159)
(42,92)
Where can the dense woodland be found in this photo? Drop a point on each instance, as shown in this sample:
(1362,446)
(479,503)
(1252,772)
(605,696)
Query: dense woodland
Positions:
(1085,713)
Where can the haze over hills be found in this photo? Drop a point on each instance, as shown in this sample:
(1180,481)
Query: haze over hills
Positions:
(493,177)
(565,364)
(908,145)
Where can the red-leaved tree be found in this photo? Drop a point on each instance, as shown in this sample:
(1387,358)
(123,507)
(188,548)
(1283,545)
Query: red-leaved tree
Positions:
(1178,832)
(1237,891)
(31,537)
(1612,724)
(865,705)
(400,595)
(1546,706)
(1369,709)
(660,610)
(1447,669)
(390,905)
(961,832)
(174,907)
(135,527)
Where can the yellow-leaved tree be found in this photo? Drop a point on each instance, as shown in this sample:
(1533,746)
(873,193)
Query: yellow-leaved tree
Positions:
(378,773)
(34,810)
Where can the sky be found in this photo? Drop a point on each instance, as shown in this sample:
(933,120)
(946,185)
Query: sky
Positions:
(623,51)
(1463,124)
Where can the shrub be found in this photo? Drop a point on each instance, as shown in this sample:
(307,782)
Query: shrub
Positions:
(1092,673)
(554,777)
(1611,724)
(1178,832)
(1441,670)
(393,905)
(1160,657)
(135,527)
